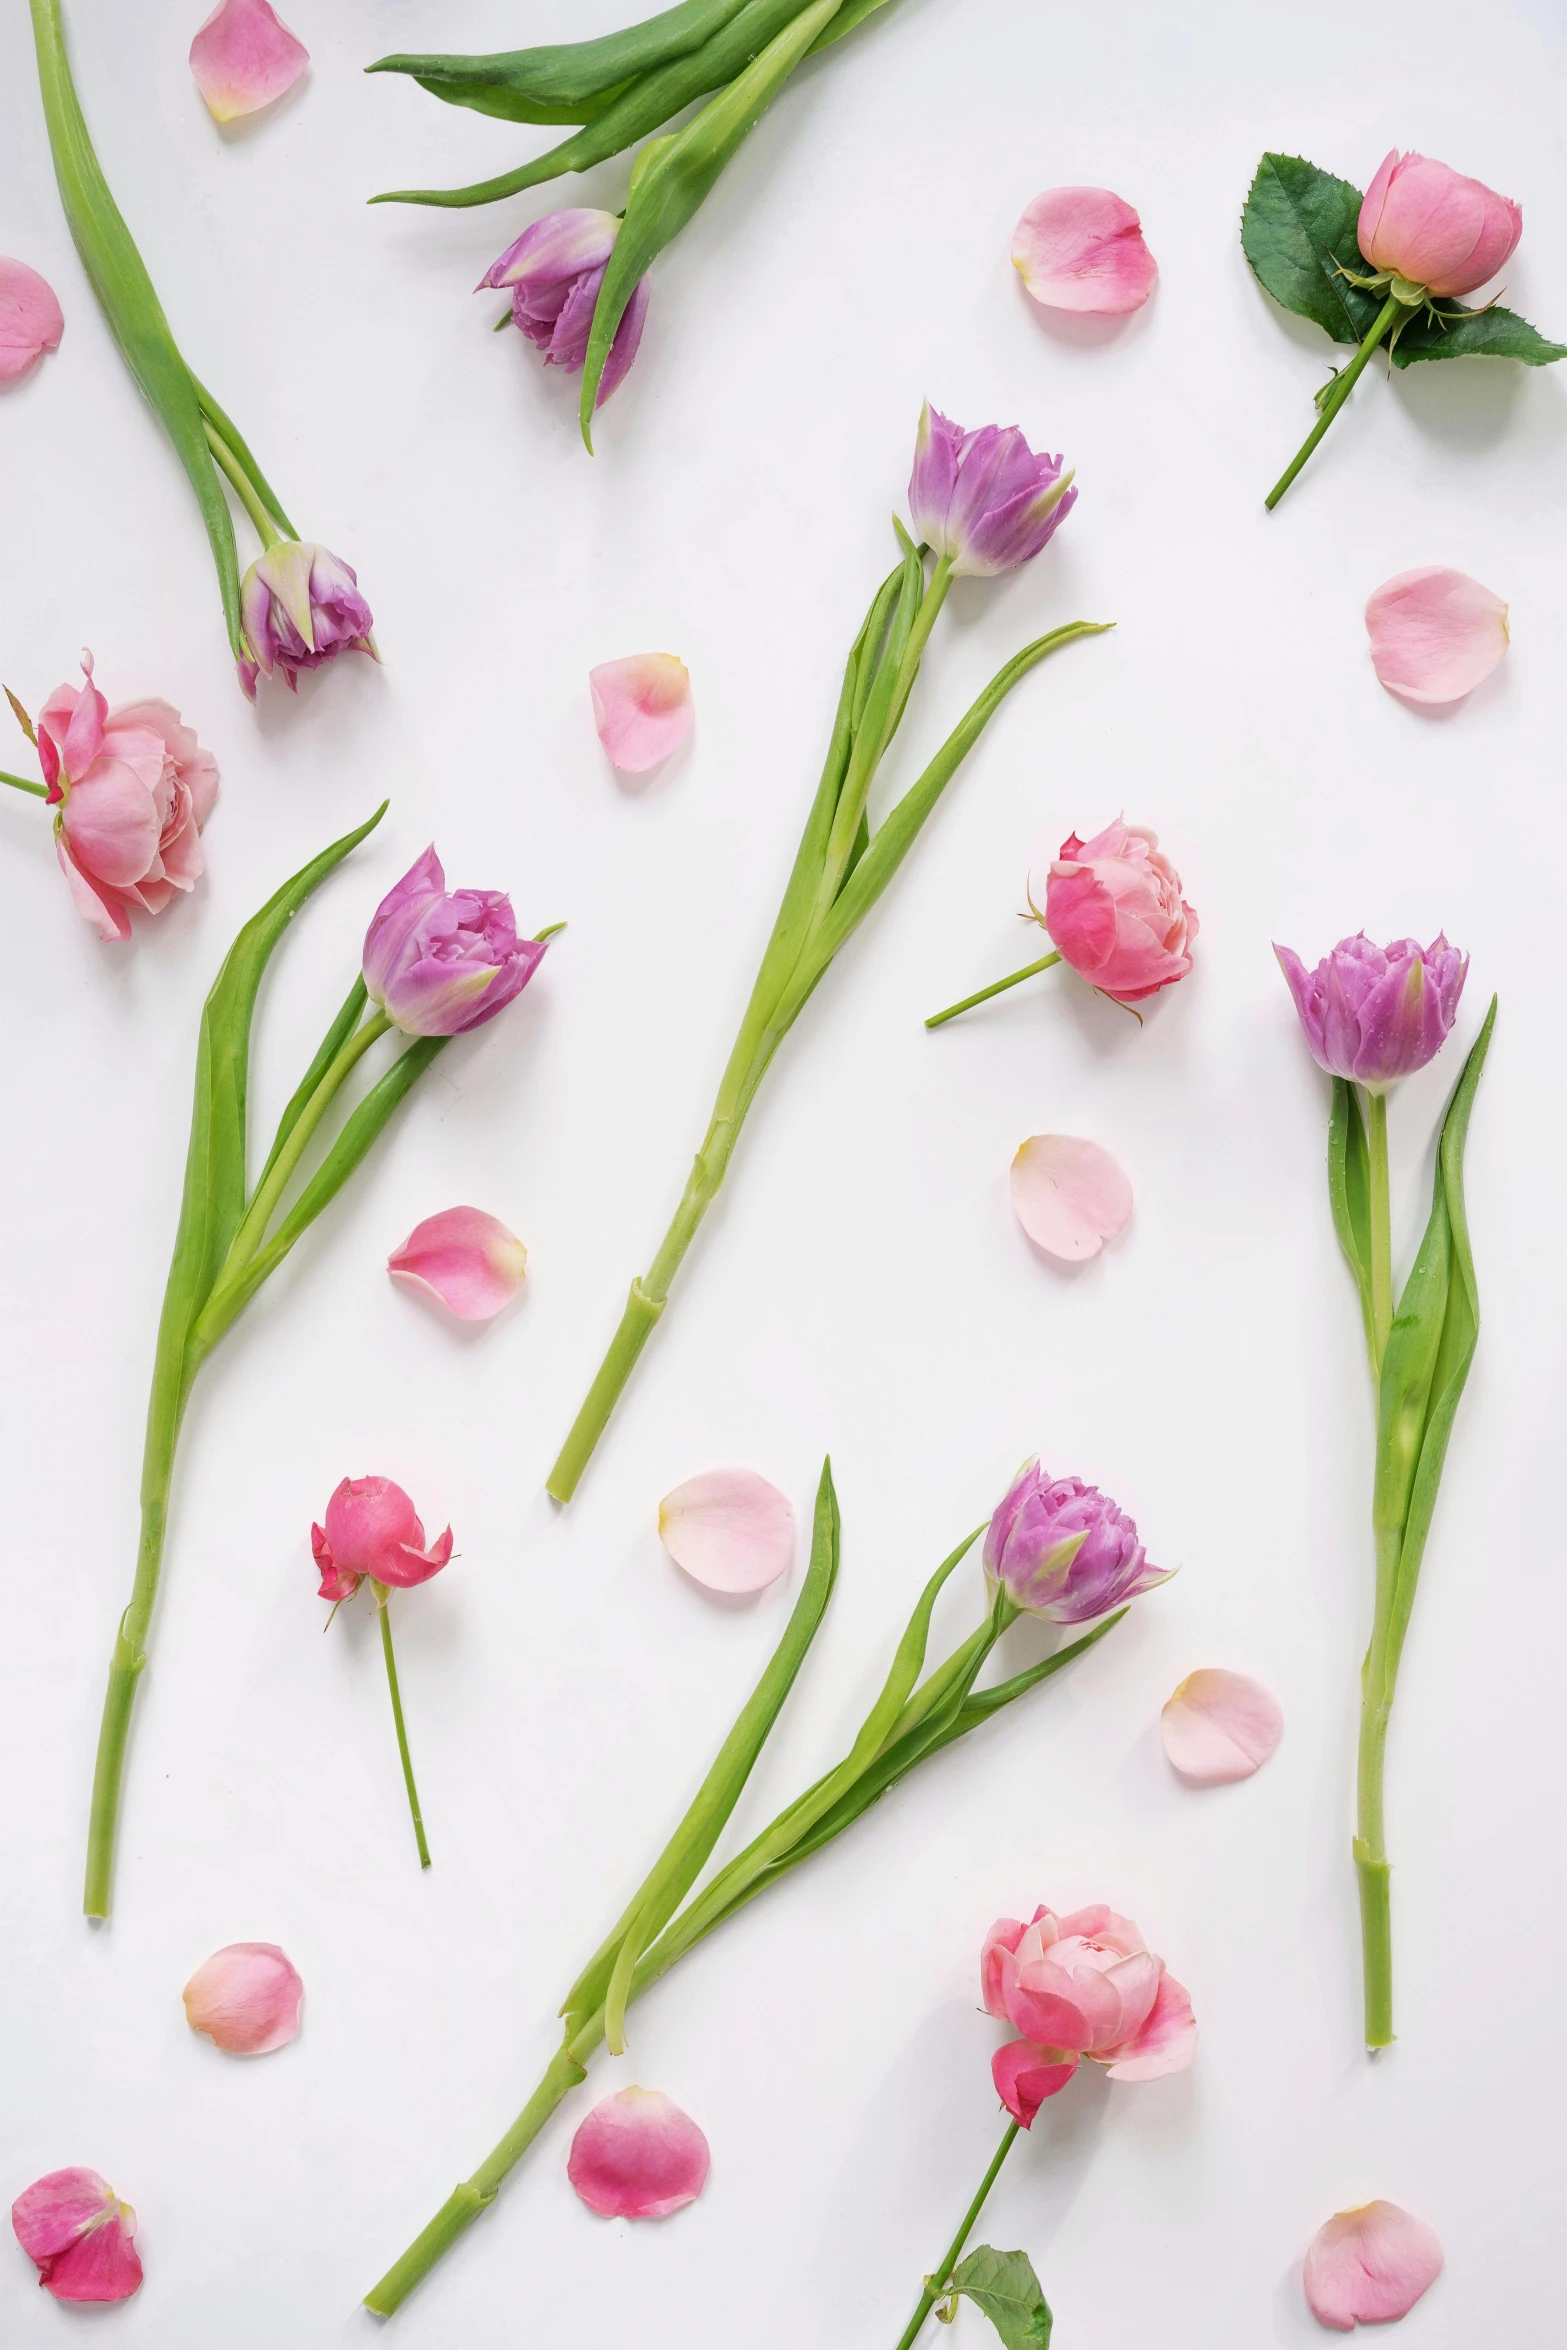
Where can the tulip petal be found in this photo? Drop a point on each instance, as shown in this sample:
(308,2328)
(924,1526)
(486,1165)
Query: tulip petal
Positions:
(729,1530)
(1220,1726)
(243,57)
(1082,249)
(1025,2076)
(466,1260)
(246,1998)
(637,2156)
(1435,634)
(30,318)
(1370,2266)
(76,2230)
(1070,1196)
(642,709)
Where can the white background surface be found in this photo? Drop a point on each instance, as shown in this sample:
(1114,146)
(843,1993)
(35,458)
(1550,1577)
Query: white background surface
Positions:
(862,1286)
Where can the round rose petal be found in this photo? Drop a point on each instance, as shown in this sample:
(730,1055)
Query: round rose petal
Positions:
(76,2230)
(30,319)
(728,1529)
(1435,634)
(243,57)
(464,1259)
(245,1997)
(1082,249)
(642,709)
(1370,2266)
(1221,1726)
(637,2156)
(1070,1196)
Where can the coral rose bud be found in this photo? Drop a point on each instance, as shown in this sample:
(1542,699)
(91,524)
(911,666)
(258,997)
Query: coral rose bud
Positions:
(373,1529)
(1064,1550)
(983,499)
(439,961)
(76,2230)
(1376,1014)
(553,273)
(245,1998)
(1432,227)
(1113,906)
(301,606)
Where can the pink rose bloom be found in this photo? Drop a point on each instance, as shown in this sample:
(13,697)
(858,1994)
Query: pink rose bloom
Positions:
(1430,225)
(1113,906)
(372,1528)
(133,788)
(1083,1985)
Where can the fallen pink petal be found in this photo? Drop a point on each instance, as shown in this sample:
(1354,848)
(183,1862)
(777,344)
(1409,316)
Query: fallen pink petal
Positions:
(1220,1726)
(642,709)
(728,1530)
(245,1998)
(1435,634)
(1070,1196)
(1370,2266)
(78,2233)
(465,1259)
(243,57)
(637,2156)
(30,318)
(1082,249)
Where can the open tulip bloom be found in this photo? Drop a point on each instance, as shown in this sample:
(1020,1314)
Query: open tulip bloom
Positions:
(1385,268)
(982,503)
(436,963)
(1371,1016)
(298,605)
(1058,1550)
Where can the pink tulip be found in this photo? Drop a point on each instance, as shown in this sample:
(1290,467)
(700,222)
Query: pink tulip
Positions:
(245,1998)
(301,606)
(243,58)
(133,788)
(1432,227)
(30,319)
(1082,1985)
(1069,1195)
(729,1530)
(553,273)
(78,2232)
(1083,249)
(1370,2266)
(1113,907)
(442,961)
(467,1261)
(637,2156)
(642,709)
(984,501)
(1435,634)
(1220,1726)
(373,1529)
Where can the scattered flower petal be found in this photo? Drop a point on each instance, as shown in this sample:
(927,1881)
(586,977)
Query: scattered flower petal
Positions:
(463,1258)
(1083,249)
(728,1530)
(1221,1726)
(246,1998)
(1435,633)
(1370,2266)
(642,709)
(30,319)
(637,2156)
(78,2232)
(1070,1196)
(243,57)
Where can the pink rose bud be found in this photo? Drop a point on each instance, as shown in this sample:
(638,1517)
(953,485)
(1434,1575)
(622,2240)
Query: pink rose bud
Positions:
(1435,634)
(1434,228)
(1376,1014)
(30,319)
(441,962)
(301,606)
(467,1261)
(983,499)
(133,788)
(1065,1551)
(78,2232)
(1370,2266)
(1082,249)
(553,273)
(637,2156)
(1082,1985)
(373,1529)
(245,1998)
(1113,906)
(244,57)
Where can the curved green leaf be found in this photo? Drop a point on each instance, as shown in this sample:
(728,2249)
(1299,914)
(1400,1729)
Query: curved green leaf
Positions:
(565,74)
(852,13)
(1004,2286)
(1457,333)
(1298,232)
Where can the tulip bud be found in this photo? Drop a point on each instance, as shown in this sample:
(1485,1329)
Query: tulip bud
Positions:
(1376,1014)
(301,606)
(983,499)
(1064,1550)
(440,962)
(553,273)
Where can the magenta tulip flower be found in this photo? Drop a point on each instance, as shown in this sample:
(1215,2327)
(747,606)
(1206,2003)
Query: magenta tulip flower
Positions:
(553,273)
(1375,1014)
(1064,1550)
(1434,228)
(77,2232)
(439,961)
(301,606)
(982,500)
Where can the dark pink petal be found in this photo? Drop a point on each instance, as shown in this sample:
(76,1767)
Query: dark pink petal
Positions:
(415,1563)
(244,57)
(728,1529)
(1166,2042)
(642,709)
(1435,634)
(76,2230)
(30,320)
(1083,249)
(1025,2076)
(1070,1196)
(336,1582)
(466,1260)
(1220,1726)
(637,2156)
(1370,2266)
(246,1998)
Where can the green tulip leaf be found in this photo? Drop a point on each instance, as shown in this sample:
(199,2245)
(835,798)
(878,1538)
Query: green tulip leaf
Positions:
(558,82)
(1004,2286)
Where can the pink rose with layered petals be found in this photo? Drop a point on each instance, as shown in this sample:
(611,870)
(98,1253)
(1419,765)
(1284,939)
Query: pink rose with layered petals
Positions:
(1428,224)
(372,1528)
(1076,1986)
(1113,906)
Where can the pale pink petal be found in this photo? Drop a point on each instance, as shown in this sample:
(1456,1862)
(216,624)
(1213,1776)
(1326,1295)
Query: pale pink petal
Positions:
(1220,1726)
(728,1529)
(102,907)
(30,320)
(1166,2043)
(466,1260)
(245,1997)
(1025,2076)
(1000,1942)
(637,2156)
(1083,249)
(244,57)
(76,2230)
(112,824)
(1069,1196)
(1370,2266)
(642,709)
(1435,634)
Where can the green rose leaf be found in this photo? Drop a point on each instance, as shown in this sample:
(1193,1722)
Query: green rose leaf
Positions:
(1004,2286)
(1298,233)
(1474,334)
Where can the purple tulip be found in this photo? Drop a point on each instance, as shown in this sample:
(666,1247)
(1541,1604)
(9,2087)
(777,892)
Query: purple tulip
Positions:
(554,272)
(301,606)
(983,499)
(441,961)
(1375,1013)
(1064,1550)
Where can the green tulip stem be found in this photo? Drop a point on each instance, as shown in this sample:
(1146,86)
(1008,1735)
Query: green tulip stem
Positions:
(39,791)
(1338,392)
(383,1610)
(996,987)
(936,2282)
(1380,1229)
(270,1190)
(249,497)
